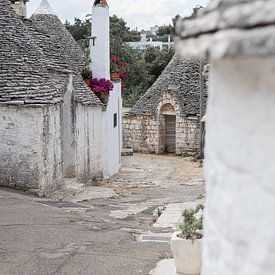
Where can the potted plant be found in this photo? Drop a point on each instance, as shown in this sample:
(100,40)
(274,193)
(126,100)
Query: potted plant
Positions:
(186,244)
(87,75)
(117,69)
(102,87)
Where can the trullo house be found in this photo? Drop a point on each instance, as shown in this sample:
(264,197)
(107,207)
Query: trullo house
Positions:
(52,126)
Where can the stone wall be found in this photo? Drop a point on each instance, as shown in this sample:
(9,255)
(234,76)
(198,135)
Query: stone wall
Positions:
(30,148)
(145,134)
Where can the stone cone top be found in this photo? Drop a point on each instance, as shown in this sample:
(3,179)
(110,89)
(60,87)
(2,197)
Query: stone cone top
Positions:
(44,8)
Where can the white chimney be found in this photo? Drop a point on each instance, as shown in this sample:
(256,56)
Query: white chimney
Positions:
(20,7)
(100,41)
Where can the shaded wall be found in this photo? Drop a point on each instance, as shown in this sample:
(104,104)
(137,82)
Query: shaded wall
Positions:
(113,132)
(89,148)
(30,148)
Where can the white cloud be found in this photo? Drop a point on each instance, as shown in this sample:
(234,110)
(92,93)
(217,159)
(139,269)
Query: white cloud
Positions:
(137,13)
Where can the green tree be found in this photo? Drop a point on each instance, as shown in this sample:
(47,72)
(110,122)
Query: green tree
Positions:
(165,30)
(157,60)
(80,29)
(141,69)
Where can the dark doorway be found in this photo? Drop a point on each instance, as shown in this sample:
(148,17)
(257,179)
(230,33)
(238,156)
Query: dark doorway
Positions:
(170,133)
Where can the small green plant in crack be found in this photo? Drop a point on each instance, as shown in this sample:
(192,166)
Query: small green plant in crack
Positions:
(158,212)
(192,223)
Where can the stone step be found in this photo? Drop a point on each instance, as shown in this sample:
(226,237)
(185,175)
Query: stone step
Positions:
(126,152)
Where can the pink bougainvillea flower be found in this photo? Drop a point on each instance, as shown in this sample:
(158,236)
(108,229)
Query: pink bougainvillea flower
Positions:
(121,75)
(114,59)
(102,85)
(122,64)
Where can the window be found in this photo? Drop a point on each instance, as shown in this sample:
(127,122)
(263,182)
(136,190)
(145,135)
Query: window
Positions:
(115,120)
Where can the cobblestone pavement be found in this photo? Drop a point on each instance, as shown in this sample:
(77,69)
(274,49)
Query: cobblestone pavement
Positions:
(87,233)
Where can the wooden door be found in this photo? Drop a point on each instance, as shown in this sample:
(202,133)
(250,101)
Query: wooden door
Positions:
(170,133)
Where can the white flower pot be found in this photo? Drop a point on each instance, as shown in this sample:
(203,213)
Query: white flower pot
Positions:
(187,255)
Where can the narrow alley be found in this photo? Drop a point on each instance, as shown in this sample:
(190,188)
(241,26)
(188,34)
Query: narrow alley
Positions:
(119,226)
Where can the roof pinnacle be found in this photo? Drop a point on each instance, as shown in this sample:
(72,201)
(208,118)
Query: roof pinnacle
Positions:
(101,2)
(44,8)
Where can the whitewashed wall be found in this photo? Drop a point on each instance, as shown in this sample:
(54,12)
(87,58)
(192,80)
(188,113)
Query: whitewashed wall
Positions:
(113,135)
(89,159)
(30,148)
(240,169)
(52,176)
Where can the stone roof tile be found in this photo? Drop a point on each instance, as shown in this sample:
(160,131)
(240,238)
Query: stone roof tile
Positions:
(62,41)
(229,28)
(23,76)
(182,79)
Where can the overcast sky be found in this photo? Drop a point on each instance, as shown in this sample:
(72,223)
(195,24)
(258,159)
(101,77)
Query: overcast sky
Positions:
(137,13)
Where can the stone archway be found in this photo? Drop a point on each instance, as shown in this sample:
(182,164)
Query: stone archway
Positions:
(167,129)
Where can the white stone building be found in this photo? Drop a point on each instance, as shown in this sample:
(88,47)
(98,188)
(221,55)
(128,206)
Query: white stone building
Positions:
(239,39)
(52,126)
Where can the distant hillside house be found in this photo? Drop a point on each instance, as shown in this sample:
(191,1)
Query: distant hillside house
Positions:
(166,118)
(144,43)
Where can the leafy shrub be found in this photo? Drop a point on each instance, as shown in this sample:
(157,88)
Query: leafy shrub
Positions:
(192,224)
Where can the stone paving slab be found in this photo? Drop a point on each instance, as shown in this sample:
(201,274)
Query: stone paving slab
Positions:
(94,192)
(155,237)
(164,267)
(172,214)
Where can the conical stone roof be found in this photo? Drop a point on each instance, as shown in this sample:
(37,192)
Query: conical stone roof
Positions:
(182,79)
(45,21)
(24,78)
(62,51)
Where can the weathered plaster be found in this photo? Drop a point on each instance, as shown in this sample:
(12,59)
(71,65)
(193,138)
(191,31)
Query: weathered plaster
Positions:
(30,148)
(68,128)
(89,159)
(239,223)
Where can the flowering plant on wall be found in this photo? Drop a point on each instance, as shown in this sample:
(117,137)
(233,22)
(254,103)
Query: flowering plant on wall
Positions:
(102,87)
(117,69)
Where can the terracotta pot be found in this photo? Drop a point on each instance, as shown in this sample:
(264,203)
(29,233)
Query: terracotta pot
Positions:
(115,77)
(88,82)
(187,255)
(103,97)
